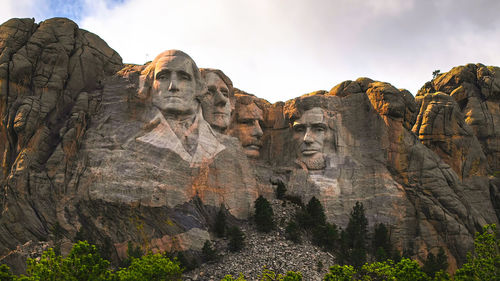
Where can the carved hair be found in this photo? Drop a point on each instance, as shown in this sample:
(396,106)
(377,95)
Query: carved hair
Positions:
(205,71)
(147,75)
(300,105)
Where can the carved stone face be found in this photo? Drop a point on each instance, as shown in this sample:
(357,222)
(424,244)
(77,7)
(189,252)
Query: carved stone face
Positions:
(174,86)
(248,129)
(309,134)
(215,104)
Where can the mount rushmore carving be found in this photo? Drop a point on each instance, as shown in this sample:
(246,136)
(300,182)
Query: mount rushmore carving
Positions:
(149,153)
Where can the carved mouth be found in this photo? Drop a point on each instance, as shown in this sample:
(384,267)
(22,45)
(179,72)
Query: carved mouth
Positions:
(309,151)
(253,147)
(220,113)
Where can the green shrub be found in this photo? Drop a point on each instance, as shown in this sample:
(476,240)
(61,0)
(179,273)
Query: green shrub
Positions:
(151,267)
(484,263)
(340,273)
(231,278)
(83,263)
(5,274)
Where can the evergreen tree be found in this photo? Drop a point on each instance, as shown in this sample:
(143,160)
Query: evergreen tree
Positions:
(186,263)
(292,232)
(208,252)
(316,212)
(381,243)
(264,216)
(280,190)
(236,239)
(356,232)
(434,264)
(343,251)
(325,236)
(220,222)
(133,252)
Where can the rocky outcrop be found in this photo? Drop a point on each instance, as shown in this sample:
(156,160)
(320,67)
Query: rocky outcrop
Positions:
(50,76)
(112,153)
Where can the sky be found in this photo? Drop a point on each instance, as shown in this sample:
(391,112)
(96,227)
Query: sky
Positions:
(281,49)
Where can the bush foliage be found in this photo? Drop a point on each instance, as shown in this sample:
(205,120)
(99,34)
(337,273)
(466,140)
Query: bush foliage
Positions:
(85,263)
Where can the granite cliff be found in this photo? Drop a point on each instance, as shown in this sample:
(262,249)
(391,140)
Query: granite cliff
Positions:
(113,153)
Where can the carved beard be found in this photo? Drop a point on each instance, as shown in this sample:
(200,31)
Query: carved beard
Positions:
(315,162)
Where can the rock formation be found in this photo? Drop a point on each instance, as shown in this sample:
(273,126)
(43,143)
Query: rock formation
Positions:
(113,153)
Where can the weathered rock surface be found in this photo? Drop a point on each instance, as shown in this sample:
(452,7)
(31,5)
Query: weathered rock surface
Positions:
(93,149)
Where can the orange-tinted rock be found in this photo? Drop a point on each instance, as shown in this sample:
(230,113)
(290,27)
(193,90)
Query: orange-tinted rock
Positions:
(87,147)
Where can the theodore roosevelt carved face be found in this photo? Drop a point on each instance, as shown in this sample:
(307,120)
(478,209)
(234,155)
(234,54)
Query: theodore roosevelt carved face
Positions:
(247,126)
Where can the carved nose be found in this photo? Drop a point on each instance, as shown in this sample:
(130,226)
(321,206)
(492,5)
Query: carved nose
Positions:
(219,99)
(257,131)
(308,138)
(173,86)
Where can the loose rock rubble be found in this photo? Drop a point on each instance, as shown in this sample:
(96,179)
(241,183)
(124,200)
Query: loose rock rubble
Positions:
(270,250)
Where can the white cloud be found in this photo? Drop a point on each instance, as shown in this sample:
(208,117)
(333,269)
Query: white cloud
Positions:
(281,49)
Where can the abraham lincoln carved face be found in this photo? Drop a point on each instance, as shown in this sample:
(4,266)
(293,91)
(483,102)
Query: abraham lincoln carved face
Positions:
(309,134)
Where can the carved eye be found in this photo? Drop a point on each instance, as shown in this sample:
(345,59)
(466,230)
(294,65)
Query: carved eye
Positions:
(248,122)
(212,89)
(184,76)
(225,92)
(163,75)
(299,128)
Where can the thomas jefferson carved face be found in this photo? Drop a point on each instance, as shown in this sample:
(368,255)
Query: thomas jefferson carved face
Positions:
(309,134)
(215,103)
(174,88)
(248,129)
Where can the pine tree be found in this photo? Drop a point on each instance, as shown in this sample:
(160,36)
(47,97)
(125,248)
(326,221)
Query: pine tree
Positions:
(264,216)
(434,264)
(381,243)
(220,222)
(356,232)
(316,212)
(292,232)
(208,252)
(280,190)
(326,236)
(236,239)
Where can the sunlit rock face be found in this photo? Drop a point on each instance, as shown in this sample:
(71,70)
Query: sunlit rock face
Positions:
(114,153)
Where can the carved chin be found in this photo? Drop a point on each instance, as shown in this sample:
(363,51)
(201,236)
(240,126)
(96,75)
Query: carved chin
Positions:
(315,162)
(220,122)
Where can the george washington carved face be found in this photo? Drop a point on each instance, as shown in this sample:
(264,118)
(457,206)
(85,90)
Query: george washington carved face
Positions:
(173,82)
